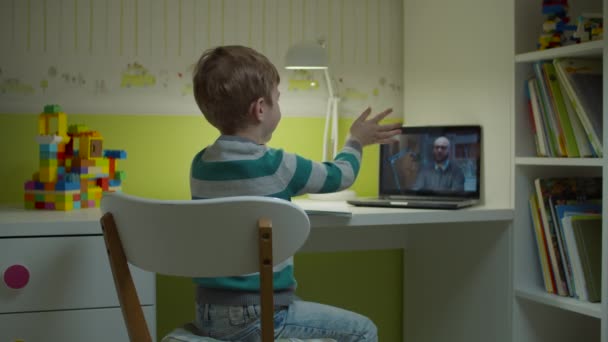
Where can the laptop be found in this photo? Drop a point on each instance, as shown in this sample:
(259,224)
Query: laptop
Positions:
(434,167)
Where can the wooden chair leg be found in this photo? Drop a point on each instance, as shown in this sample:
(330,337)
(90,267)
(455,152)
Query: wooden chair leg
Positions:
(125,288)
(266,283)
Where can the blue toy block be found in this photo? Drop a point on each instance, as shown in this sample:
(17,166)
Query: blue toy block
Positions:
(114,182)
(48,147)
(61,170)
(116,154)
(76,205)
(67,186)
(72,178)
(557,10)
(48,155)
(39,186)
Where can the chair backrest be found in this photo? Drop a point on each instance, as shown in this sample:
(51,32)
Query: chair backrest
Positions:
(199,238)
(175,237)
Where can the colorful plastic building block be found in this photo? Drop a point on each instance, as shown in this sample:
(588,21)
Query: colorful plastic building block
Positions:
(68,178)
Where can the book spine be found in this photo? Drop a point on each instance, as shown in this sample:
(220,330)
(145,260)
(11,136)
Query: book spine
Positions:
(566,132)
(582,141)
(563,251)
(577,271)
(539,125)
(541,245)
(596,143)
(556,264)
(552,129)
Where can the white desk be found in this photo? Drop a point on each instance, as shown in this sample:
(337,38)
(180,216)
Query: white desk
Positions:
(70,295)
(456,268)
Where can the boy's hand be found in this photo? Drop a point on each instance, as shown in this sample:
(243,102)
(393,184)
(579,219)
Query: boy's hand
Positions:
(369,132)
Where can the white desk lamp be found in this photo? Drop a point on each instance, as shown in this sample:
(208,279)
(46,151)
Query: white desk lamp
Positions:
(311,55)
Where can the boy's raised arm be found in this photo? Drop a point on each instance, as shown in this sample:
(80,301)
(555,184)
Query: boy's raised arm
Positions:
(339,174)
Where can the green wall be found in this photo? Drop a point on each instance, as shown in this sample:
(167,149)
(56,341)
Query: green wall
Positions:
(159,151)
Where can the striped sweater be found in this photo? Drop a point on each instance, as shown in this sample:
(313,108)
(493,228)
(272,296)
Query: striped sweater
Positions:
(234,166)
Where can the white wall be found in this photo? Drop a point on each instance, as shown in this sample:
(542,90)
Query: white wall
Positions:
(458,68)
(51,46)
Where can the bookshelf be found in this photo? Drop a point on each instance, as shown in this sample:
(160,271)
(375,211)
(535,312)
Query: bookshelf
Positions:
(538,315)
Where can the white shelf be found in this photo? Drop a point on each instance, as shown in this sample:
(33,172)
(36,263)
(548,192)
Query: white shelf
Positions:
(589,49)
(559,161)
(565,303)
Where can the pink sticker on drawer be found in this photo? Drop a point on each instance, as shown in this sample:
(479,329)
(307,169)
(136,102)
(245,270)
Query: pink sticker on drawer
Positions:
(16,276)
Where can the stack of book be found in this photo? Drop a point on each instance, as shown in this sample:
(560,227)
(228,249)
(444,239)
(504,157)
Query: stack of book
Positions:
(565,107)
(567,221)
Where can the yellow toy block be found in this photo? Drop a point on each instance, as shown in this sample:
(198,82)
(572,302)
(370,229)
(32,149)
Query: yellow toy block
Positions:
(64,206)
(91,147)
(48,163)
(49,197)
(62,125)
(64,197)
(102,162)
(78,129)
(48,174)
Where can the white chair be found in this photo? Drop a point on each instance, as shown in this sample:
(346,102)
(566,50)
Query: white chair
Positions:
(198,238)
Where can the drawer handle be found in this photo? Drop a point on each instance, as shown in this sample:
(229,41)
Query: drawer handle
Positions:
(16,276)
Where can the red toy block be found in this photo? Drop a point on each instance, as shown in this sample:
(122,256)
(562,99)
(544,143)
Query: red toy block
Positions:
(112,167)
(103,183)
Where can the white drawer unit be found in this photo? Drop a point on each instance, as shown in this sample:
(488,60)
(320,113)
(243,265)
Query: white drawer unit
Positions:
(55,279)
(92,325)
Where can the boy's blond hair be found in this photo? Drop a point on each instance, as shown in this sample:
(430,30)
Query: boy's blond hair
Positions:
(227,80)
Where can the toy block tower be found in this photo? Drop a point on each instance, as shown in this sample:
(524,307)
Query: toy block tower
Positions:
(68,177)
(556,27)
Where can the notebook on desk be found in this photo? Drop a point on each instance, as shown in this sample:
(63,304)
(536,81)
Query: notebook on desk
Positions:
(435,167)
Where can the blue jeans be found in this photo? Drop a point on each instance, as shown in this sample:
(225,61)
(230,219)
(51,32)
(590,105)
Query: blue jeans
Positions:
(299,320)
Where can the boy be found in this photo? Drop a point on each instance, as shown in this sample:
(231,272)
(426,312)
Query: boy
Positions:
(236,89)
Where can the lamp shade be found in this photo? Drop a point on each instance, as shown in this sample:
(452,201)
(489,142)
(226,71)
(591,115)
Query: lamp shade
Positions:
(306,55)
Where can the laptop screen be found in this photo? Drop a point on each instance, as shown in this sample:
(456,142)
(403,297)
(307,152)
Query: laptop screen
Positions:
(432,161)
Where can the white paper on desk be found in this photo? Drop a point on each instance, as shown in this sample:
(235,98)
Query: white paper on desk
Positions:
(327,208)
(328,213)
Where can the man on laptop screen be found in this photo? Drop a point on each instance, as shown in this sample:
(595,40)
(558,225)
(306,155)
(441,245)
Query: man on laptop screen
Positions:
(430,167)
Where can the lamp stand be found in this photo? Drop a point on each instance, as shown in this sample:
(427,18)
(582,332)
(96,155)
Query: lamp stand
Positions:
(330,135)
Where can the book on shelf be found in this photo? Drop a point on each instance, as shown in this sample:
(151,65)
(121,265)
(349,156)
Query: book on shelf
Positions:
(565,107)
(564,213)
(583,85)
(553,191)
(588,234)
(541,246)
(557,146)
(582,142)
(536,119)
(565,133)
